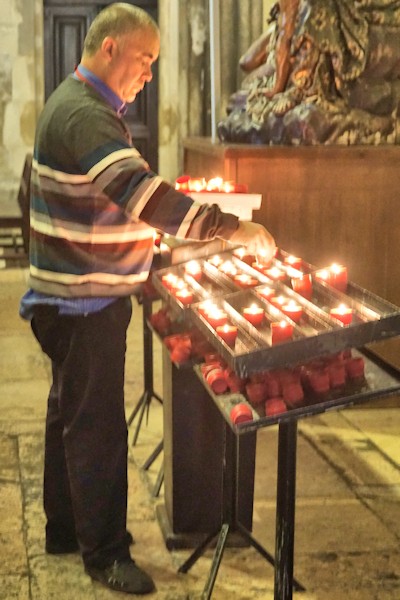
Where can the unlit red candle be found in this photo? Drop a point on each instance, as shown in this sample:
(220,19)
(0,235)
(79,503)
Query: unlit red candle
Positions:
(281,332)
(228,333)
(342,313)
(254,314)
(302,285)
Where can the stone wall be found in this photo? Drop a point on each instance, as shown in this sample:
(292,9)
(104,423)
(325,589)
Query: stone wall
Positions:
(21,89)
(184,73)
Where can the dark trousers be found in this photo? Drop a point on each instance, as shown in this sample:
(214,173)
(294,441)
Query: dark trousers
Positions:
(85,471)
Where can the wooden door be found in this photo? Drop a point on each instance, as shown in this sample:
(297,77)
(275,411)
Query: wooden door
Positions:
(65,27)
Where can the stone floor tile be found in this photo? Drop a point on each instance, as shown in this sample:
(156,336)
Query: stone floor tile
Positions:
(14,587)
(20,366)
(23,400)
(53,578)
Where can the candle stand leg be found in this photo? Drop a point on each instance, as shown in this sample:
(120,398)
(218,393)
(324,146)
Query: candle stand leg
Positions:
(143,405)
(230,518)
(285,513)
(147,464)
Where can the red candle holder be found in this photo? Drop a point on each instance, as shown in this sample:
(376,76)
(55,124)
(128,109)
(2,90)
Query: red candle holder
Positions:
(193,269)
(184,296)
(293,310)
(266,292)
(216,318)
(169,279)
(245,281)
(275,274)
(323,276)
(302,285)
(281,332)
(243,255)
(338,278)
(241,413)
(228,333)
(342,313)
(254,314)
(278,301)
(293,261)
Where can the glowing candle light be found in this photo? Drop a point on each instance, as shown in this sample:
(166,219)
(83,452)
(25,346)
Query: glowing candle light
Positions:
(184,296)
(281,332)
(292,310)
(254,314)
(193,269)
(342,313)
(228,333)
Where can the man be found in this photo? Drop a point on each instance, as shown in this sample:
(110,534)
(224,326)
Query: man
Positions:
(94,207)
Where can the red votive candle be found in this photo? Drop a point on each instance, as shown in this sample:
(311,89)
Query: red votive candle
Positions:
(184,296)
(215,378)
(216,260)
(323,276)
(228,333)
(266,292)
(293,261)
(275,406)
(254,314)
(243,255)
(169,280)
(338,278)
(292,310)
(193,269)
(302,285)
(342,313)
(228,268)
(259,266)
(241,413)
(278,301)
(281,332)
(245,281)
(216,318)
(275,274)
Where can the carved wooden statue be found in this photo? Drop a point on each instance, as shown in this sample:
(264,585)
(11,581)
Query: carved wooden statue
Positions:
(324,72)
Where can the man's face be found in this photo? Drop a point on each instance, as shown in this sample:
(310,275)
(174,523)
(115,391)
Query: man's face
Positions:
(130,68)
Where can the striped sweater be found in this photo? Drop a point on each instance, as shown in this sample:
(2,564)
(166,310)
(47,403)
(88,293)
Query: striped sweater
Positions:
(95,203)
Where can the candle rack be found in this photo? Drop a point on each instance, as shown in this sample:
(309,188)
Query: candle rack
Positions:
(317,334)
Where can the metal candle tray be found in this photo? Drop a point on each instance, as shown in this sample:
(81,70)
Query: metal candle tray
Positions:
(317,333)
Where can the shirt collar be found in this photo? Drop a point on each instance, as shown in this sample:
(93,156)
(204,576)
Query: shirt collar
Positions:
(84,74)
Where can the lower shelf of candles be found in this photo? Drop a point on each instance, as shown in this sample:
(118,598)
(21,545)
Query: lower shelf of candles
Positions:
(269,397)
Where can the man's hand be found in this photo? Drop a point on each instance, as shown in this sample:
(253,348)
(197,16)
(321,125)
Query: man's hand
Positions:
(256,238)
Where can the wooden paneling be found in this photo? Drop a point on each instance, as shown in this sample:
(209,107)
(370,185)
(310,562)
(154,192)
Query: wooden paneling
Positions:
(324,203)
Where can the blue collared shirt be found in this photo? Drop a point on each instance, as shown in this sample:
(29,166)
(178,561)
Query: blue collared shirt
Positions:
(76,306)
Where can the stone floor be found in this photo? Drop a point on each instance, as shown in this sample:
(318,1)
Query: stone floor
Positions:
(348,493)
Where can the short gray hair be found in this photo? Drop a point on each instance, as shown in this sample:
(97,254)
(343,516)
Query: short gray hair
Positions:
(116,20)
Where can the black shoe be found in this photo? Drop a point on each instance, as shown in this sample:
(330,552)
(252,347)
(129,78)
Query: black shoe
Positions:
(64,547)
(123,576)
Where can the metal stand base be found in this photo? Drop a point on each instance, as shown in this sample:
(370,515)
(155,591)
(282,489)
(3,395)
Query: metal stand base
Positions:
(147,464)
(283,565)
(143,404)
